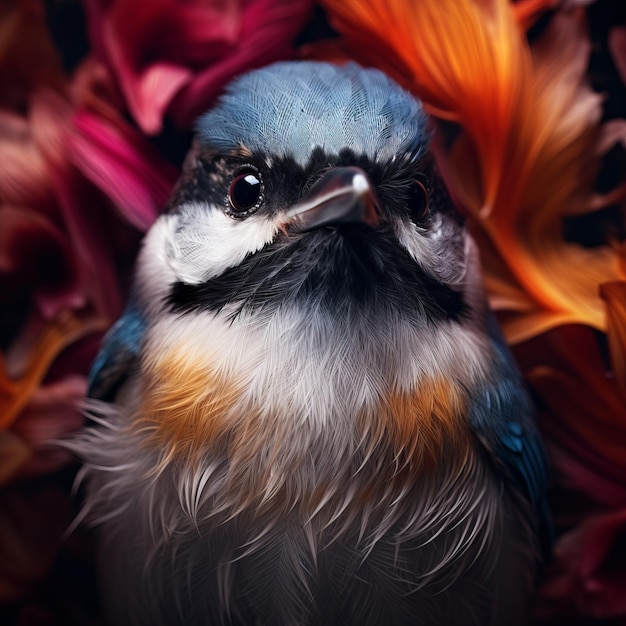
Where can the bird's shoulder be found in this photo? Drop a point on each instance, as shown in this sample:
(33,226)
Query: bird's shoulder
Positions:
(118,353)
(502,417)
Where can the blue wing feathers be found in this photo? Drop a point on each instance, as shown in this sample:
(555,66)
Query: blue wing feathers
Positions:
(503,419)
(118,354)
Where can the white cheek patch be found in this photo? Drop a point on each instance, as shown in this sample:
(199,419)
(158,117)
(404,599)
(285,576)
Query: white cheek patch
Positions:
(206,242)
(154,275)
(435,256)
(415,242)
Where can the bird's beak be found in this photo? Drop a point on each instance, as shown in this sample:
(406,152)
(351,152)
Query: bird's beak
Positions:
(342,195)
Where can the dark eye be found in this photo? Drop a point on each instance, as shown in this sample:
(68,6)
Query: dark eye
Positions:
(417,200)
(245,192)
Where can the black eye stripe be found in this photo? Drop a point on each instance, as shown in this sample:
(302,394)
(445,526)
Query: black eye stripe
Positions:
(284,181)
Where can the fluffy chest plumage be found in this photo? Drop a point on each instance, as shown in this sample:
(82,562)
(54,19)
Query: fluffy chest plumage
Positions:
(302,473)
(287,446)
(301,396)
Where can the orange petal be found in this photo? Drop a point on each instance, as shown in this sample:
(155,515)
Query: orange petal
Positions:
(556,166)
(54,338)
(468,61)
(529,146)
(527,11)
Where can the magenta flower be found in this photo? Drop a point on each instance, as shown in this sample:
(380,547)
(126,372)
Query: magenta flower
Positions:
(172,58)
(78,185)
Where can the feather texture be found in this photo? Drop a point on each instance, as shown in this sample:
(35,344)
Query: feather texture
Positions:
(316,105)
(314,427)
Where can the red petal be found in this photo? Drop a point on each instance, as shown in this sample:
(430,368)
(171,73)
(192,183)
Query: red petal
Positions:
(267,31)
(124,166)
(614,295)
(153,48)
(37,259)
(587,576)
(617,46)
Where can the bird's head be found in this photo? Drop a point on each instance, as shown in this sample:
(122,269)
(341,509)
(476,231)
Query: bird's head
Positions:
(312,185)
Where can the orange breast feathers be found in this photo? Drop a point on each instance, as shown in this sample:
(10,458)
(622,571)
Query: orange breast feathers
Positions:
(427,423)
(185,404)
(188,405)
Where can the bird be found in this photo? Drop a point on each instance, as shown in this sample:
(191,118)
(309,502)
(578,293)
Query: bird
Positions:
(307,414)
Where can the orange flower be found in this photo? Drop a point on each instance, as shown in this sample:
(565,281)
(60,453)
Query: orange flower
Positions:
(527,154)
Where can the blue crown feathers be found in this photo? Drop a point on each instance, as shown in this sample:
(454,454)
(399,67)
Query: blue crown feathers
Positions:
(291,108)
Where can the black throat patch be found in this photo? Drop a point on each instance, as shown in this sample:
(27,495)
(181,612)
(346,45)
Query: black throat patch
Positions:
(345,268)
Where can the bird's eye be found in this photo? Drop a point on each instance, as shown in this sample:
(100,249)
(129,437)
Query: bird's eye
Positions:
(245,193)
(418,200)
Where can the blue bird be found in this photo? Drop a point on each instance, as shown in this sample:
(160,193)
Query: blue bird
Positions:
(307,415)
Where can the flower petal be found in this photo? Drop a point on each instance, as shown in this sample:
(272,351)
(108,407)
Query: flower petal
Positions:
(28,56)
(52,413)
(36,260)
(584,413)
(617,46)
(31,525)
(14,454)
(164,51)
(614,296)
(124,166)
(527,152)
(586,576)
(268,29)
(24,175)
(32,358)
(527,11)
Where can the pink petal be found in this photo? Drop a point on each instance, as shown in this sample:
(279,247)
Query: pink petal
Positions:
(151,93)
(86,214)
(154,47)
(124,166)
(24,175)
(267,32)
(92,235)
